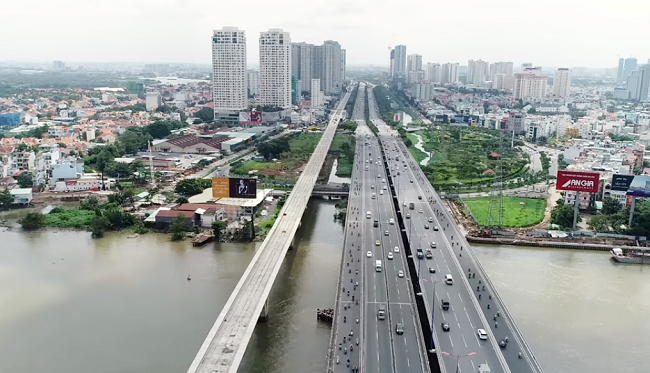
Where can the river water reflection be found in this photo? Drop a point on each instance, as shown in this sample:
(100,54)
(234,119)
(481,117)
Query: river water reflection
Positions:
(72,304)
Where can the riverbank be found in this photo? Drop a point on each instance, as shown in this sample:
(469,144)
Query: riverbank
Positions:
(549,244)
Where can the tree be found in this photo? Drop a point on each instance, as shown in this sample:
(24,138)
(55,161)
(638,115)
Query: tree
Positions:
(218,227)
(102,161)
(25,180)
(188,187)
(611,206)
(542,140)
(159,130)
(99,226)
(206,114)
(31,221)
(562,215)
(5,200)
(178,228)
(90,203)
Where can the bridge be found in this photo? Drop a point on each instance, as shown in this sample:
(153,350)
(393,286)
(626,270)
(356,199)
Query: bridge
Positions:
(473,302)
(342,190)
(224,347)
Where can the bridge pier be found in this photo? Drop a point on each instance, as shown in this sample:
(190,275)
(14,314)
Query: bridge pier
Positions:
(265,312)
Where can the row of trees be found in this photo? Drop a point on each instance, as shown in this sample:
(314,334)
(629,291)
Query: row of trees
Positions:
(274,148)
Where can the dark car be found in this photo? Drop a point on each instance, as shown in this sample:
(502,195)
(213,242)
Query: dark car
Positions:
(399,328)
(502,343)
(426,226)
(445,326)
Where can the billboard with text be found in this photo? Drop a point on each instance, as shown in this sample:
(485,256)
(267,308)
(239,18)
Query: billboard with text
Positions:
(250,117)
(621,183)
(576,181)
(224,187)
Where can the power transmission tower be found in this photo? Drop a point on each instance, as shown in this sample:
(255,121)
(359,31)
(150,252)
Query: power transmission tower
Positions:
(495,208)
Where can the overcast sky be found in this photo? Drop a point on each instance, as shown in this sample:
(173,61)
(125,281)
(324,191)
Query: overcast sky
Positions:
(570,33)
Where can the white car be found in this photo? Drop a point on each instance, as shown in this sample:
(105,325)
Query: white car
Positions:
(421,211)
(430,219)
(400,273)
(396,249)
(390,255)
(482,334)
(369,254)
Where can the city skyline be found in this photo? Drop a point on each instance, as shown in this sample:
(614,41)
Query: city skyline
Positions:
(76,33)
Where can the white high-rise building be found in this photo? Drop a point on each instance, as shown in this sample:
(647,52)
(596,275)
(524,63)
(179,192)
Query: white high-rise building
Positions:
(414,62)
(153,101)
(433,72)
(253,83)
(399,64)
(449,73)
(477,72)
(504,68)
(229,74)
(302,64)
(562,83)
(275,68)
(316,94)
(529,85)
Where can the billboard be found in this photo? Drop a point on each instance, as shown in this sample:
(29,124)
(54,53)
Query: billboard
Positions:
(640,186)
(578,181)
(396,118)
(250,117)
(622,183)
(224,187)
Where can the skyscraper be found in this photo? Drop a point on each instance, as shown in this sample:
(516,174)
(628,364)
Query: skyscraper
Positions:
(504,68)
(253,82)
(302,58)
(638,83)
(400,61)
(449,73)
(433,72)
(325,62)
(562,83)
(529,85)
(630,65)
(275,68)
(414,62)
(391,66)
(477,72)
(229,74)
(621,68)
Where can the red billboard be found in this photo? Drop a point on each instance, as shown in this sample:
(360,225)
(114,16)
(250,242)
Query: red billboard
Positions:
(578,181)
(250,117)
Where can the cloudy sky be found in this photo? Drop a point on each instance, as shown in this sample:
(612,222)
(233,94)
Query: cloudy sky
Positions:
(569,33)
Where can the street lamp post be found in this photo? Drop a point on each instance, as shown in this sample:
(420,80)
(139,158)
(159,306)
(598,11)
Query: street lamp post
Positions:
(458,357)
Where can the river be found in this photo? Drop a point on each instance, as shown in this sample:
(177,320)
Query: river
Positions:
(72,304)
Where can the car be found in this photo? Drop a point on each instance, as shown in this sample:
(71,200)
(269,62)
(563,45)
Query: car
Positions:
(391,221)
(426,226)
(430,219)
(372,187)
(377,243)
(445,326)
(385,187)
(408,216)
(400,273)
(398,173)
(386,233)
(369,254)
(482,334)
(420,197)
(428,254)
(396,249)
(420,211)
(502,343)
(432,270)
(390,256)
(435,228)
(433,245)
(399,328)
(411,181)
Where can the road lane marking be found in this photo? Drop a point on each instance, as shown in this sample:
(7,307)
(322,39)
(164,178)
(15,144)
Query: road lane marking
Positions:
(464,341)
(452,342)
(461,298)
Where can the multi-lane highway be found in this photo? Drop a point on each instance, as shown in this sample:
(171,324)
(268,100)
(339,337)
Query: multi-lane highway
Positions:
(469,295)
(377,327)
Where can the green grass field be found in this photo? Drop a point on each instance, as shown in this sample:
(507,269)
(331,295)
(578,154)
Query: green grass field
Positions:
(518,212)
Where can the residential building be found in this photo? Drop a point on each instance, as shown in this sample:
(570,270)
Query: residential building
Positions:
(621,68)
(504,68)
(325,62)
(637,84)
(275,68)
(21,196)
(503,81)
(477,72)
(153,101)
(449,73)
(630,65)
(302,59)
(529,85)
(415,76)
(433,72)
(316,94)
(414,62)
(253,83)
(562,83)
(229,74)
(391,65)
(424,91)
(526,65)
(400,62)
(58,65)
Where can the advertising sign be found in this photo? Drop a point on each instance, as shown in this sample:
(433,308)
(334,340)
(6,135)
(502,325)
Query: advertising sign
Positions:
(396,118)
(640,186)
(622,183)
(250,117)
(220,187)
(243,188)
(578,181)
(223,187)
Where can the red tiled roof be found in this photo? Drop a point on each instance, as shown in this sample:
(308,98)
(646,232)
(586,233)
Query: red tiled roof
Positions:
(175,213)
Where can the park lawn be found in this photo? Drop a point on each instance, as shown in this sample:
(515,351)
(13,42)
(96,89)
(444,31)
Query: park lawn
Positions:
(69,219)
(345,153)
(304,144)
(518,212)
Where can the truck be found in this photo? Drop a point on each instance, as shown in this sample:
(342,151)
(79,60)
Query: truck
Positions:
(411,206)
(444,304)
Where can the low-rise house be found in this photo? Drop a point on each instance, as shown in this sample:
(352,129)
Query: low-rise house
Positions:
(21,196)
